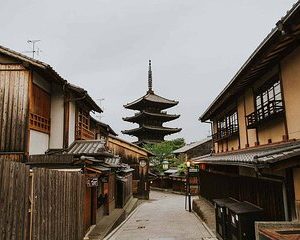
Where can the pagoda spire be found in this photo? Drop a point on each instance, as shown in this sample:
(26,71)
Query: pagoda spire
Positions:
(150,78)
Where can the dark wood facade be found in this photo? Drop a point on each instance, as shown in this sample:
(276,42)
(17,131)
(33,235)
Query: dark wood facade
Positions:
(37,108)
(14,109)
(138,159)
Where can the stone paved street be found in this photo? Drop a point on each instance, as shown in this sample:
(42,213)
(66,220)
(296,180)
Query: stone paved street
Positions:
(162,218)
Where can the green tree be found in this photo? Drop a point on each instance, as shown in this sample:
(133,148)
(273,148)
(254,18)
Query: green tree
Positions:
(164,151)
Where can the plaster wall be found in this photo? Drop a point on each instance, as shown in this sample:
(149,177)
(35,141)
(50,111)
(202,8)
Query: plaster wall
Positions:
(249,106)
(38,143)
(233,143)
(290,70)
(57,117)
(241,121)
(273,130)
(72,122)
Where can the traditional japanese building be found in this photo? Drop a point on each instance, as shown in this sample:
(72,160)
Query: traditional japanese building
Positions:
(150,116)
(256,129)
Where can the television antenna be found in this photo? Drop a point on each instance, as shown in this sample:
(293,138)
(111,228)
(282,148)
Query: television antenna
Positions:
(100,115)
(33,42)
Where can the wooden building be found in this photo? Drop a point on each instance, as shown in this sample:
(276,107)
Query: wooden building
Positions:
(138,159)
(40,111)
(256,128)
(194,149)
(150,117)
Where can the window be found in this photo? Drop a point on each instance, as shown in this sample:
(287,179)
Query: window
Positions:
(268,101)
(227,126)
(40,107)
(83,131)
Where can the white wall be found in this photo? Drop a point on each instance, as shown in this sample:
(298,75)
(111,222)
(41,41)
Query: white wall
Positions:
(38,143)
(72,122)
(57,117)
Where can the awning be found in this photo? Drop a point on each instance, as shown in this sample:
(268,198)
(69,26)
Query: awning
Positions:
(256,157)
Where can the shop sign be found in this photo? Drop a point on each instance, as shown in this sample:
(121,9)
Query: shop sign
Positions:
(92,182)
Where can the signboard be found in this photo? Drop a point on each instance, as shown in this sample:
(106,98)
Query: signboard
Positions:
(92,182)
(143,163)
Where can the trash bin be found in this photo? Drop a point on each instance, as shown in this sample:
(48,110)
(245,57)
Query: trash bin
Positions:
(221,218)
(241,217)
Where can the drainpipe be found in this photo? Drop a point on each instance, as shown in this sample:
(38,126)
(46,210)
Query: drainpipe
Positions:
(285,203)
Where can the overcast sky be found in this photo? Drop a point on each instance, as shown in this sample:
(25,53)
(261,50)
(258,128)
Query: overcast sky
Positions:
(196,46)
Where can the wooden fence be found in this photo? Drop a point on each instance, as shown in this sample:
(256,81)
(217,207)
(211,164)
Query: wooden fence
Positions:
(264,193)
(44,204)
(51,159)
(57,205)
(14,201)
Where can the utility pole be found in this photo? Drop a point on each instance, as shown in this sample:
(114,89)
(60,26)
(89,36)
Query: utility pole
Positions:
(33,42)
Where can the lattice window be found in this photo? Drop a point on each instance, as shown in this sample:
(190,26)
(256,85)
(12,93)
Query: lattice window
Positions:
(39,123)
(227,126)
(83,131)
(40,108)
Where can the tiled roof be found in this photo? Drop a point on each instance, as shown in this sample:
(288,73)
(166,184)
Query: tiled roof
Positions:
(108,127)
(260,59)
(165,130)
(47,68)
(192,145)
(258,156)
(151,97)
(88,148)
(163,116)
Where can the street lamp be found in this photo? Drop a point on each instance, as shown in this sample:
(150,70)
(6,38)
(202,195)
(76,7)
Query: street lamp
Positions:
(188,165)
(165,165)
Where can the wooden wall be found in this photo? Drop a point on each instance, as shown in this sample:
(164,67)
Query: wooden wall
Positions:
(132,154)
(58,199)
(264,193)
(14,81)
(46,204)
(14,201)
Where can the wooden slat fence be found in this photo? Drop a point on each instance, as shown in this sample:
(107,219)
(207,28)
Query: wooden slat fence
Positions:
(45,204)
(58,199)
(264,193)
(14,201)
(55,158)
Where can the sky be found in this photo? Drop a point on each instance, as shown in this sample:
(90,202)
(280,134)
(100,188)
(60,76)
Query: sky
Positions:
(196,47)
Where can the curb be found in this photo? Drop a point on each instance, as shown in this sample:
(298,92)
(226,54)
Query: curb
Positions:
(205,225)
(107,237)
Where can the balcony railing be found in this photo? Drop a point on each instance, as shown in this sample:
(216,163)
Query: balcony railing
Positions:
(272,109)
(84,134)
(224,133)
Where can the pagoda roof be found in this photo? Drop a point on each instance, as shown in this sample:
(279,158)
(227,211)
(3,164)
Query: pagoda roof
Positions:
(141,115)
(151,99)
(147,128)
(142,142)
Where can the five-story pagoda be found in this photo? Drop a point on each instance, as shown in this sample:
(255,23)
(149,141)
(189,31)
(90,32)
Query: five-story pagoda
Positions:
(150,116)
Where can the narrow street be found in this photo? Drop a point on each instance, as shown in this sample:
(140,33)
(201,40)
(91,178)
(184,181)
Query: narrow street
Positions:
(161,218)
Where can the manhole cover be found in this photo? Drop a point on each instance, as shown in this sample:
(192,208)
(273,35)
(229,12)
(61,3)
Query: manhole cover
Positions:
(140,227)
